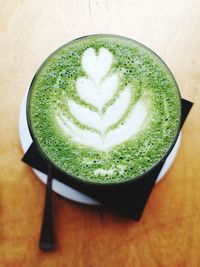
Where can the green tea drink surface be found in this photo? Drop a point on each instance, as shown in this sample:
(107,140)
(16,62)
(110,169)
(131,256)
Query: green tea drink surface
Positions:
(104,109)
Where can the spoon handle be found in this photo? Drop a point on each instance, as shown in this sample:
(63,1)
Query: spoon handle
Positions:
(46,241)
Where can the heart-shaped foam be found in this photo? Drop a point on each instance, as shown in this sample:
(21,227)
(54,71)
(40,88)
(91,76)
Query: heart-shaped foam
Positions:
(96,66)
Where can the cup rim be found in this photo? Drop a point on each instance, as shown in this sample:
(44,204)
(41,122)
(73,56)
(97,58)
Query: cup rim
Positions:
(79,180)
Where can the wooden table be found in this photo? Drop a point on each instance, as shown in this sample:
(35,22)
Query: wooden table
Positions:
(169,231)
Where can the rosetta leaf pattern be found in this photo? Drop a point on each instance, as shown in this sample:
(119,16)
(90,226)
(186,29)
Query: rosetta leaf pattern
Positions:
(98,88)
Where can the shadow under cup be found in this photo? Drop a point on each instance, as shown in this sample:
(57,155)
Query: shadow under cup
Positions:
(151,171)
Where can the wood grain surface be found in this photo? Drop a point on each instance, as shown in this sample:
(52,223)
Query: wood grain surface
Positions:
(169,231)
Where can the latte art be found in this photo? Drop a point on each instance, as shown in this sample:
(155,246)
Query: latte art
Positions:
(97,89)
(104,109)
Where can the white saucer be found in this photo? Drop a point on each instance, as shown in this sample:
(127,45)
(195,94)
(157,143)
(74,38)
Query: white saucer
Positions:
(62,189)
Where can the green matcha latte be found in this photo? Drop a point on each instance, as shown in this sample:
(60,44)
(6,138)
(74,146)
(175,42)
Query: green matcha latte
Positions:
(104,109)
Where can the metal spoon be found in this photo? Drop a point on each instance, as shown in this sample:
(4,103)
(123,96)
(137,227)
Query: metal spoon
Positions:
(46,242)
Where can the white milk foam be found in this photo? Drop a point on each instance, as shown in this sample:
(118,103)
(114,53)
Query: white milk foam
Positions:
(97,89)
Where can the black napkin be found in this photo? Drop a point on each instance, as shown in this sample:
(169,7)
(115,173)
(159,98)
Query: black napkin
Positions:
(129,199)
